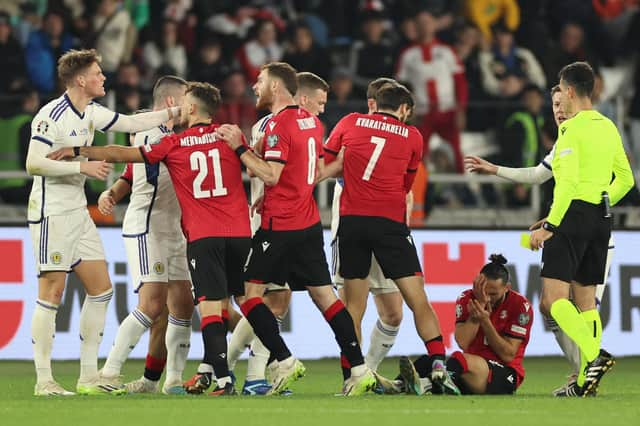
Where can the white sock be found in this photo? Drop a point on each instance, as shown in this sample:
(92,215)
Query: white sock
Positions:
(178,342)
(92,317)
(258,359)
(205,368)
(568,346)
(223,381)
(129,333)
(383,336)
(358,370)
(43,328)
(241,337)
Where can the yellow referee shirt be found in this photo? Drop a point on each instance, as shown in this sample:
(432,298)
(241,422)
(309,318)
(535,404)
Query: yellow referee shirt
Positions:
(588,152)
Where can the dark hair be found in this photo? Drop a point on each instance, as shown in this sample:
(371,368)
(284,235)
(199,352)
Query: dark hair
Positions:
(580,76)
(390,97)
(284,72)
(207,94)
(495,269)
(376,84)
(165,86)
(555,89)
(75,62)
(310,81)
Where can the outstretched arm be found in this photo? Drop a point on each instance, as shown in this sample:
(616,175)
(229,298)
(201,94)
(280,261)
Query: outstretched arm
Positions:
(110,154)
(143,121)
(38,164)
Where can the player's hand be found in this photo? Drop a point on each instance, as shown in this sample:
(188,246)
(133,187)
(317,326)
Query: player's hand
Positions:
(480,289)
(97,169)
(478,165)
(231,134)
(479,311)
(106,202)
(538,224)
(538,237)
(61,154)
(256,207)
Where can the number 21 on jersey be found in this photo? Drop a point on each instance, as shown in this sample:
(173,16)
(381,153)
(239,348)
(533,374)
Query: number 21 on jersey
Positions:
(199,163)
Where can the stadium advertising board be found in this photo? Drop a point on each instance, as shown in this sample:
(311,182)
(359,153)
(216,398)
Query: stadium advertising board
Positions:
(450,260)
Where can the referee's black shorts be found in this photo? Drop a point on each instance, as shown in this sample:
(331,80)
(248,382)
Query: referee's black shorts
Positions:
(578,249)
(388,240)
(295,257)
(217,266)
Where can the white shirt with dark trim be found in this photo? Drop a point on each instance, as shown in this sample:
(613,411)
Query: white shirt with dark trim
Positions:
(257,186)
(58,124)
(153,206)
(548,159)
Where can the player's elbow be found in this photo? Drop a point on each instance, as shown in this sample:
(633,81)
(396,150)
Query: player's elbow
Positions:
(271,179)
(462,343)
(31,167)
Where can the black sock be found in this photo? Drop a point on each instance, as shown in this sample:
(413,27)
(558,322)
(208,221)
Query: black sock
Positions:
(272,358)
(423,365)
(214,336)
(342,325)
(266,327)
(346,367)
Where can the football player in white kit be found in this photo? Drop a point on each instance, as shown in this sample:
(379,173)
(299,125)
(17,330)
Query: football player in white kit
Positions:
(312,96)
(537,175)
(64,236)
(156,249)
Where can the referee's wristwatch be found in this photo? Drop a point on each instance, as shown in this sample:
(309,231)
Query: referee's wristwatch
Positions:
(549,227)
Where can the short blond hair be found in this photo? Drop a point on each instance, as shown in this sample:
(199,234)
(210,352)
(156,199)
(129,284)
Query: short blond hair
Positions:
(75,62)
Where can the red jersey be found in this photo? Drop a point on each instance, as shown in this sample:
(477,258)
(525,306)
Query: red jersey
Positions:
(207,178)
(381,157)
(512,318)
(293,137)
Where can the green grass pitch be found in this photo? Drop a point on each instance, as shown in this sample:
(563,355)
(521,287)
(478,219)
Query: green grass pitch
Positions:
(314,402)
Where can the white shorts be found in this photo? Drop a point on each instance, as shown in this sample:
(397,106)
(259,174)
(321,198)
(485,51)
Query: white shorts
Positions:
(378,284)
(155,257)
(61,242)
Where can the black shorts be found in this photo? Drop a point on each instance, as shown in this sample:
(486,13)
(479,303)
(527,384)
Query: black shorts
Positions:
(296,258)
(217,266)
(388,240)
(502,380)
(577,251)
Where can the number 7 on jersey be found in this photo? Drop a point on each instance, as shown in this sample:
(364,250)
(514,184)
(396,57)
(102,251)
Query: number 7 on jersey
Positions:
(379,143)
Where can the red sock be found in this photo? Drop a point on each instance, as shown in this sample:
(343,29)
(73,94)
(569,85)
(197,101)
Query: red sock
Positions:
(435,346)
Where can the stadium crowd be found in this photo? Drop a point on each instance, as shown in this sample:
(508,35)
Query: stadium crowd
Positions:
(475,66)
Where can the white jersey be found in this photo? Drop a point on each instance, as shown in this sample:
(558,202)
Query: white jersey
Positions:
(153,205)
(548,159)
(58,124)
(257,186)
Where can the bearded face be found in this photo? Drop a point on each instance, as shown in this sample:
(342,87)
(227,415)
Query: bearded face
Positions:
(263,91)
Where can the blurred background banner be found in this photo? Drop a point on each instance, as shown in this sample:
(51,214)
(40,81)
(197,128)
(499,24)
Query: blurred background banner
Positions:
(450,259)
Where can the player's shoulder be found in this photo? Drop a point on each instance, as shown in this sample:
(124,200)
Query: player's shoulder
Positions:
(152,136)
(518,301)
(261,124)
(465,295)
(53,110)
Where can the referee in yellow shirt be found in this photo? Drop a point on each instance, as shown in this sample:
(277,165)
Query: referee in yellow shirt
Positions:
(591,172)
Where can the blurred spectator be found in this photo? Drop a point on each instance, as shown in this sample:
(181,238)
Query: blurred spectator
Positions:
(340,101)
(451,195)
(439,85)
(408,33)
(12,72)
(260,50)
(176,10)
(304,55)
(521,139)
(166,52)
(232,23)
(634,115)
(28,22)
(209,65)
(109,37)
(16,132)
(467,47)
(372,56)
(129,101)
(43,50)
(573,47)
(507,68)
(485,13)
(128,76)
(238,107)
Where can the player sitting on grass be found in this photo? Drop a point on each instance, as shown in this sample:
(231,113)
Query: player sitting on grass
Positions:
(493,325)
